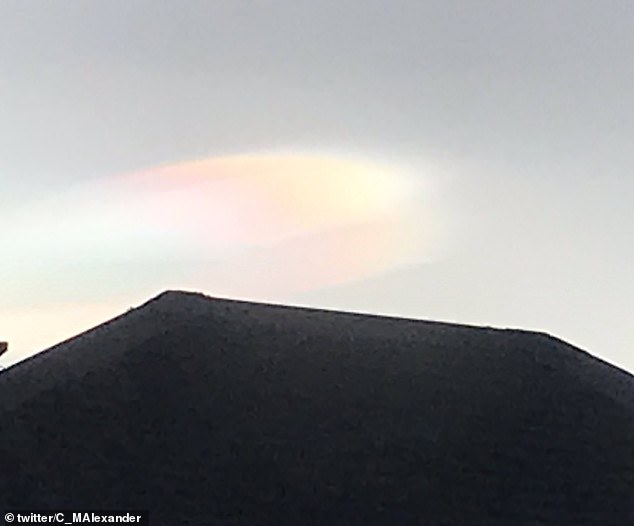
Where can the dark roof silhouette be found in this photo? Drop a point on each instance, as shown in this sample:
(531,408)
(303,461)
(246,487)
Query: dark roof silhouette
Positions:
(210,411)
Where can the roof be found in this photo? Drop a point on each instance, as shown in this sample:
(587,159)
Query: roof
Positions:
(214,411)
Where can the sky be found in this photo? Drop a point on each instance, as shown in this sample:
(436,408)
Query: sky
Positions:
(464,161)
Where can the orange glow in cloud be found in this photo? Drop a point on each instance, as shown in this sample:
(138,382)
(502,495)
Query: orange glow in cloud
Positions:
(287,224)
(259,199)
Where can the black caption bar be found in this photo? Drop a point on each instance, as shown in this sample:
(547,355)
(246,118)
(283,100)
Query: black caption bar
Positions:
(58,517)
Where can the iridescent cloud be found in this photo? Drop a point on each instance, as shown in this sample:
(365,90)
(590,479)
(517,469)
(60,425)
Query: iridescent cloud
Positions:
(261,227)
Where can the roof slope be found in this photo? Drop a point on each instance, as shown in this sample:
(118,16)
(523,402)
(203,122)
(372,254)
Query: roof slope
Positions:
(209,411)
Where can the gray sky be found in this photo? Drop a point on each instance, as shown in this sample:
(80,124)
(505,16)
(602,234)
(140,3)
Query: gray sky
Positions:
(523,110)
